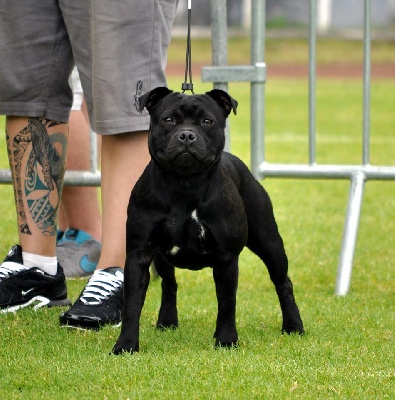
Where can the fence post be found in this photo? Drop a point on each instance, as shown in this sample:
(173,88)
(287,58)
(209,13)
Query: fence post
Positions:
(366,85)
(357,180)
(257,95)
(312,80)
(219,43)
(350,234)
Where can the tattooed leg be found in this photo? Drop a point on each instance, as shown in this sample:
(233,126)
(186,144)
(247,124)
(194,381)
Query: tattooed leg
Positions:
(37,156)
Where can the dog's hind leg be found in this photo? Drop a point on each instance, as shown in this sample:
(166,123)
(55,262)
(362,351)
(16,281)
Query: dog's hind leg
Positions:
(167,317)
(272,253)
(267,243)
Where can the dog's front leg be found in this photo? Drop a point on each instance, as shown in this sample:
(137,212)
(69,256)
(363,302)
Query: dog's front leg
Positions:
(226,280)
(136,282)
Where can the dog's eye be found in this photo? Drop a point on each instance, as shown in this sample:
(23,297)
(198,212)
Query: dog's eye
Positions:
(169,120)
(207,122)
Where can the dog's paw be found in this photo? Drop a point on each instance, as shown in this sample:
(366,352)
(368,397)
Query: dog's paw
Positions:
(163,325)
(124,347)
(293,329)
(227,345)
(292,323)
(117,352)
(227,340)
(167,319)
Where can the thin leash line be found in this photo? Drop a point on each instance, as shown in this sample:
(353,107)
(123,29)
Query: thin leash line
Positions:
(188,59)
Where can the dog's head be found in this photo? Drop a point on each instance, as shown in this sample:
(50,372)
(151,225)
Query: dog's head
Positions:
(187,131)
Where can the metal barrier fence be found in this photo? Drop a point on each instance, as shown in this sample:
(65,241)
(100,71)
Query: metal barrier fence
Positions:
(255,73)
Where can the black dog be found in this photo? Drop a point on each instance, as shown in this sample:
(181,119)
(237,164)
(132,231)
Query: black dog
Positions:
(197,206)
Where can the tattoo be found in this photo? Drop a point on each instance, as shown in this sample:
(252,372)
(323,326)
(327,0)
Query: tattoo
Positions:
(41,180)
(139,90)
(19,146)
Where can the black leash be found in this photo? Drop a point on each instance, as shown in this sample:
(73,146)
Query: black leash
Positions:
(188,63)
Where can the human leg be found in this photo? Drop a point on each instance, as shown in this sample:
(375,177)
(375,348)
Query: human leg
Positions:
(101,300)
(37,155)
(80,204)
(79,232)
(30,274)
(36,98)
(146,35)
(120,172)
(138,41)
(78,247)
(80,207)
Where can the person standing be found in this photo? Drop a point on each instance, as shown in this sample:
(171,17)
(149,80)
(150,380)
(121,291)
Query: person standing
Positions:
(119,48)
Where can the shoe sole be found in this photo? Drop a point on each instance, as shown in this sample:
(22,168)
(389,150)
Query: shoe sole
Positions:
(40,301)
(85,328)
(90,325)
(87,325)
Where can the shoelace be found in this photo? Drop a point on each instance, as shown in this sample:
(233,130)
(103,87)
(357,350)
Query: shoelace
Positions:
(100,286)
(9,268)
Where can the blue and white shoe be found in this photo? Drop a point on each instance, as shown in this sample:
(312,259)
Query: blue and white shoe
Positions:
(78,253)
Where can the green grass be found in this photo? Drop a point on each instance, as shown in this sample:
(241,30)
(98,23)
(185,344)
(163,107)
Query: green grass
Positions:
(347,351)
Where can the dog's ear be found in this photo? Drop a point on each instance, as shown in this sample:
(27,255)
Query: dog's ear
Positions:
(150,99)
(224,100)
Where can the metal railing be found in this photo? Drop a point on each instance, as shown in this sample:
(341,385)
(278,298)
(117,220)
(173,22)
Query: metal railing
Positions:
(86,178)
(220,74)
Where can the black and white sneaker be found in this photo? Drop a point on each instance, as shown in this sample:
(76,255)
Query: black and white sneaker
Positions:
(100,303)
(22,287)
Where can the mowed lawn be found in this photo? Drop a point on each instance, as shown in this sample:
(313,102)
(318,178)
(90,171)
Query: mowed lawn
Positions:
(347,351)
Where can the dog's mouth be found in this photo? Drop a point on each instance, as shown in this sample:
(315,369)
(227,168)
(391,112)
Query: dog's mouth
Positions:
(185,158)
(176,157)
(186,163)
(191,158)
(181,155)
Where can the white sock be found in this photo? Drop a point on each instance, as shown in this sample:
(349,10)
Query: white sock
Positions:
(47,264)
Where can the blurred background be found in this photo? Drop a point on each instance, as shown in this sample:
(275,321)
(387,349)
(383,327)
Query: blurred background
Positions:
(332,14)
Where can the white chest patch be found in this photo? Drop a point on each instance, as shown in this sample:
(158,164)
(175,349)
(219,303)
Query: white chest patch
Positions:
(174,250)
(202,232)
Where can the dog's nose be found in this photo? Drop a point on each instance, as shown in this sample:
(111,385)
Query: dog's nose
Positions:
(186,137)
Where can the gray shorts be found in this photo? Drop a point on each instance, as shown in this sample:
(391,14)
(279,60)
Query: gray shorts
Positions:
(118,46)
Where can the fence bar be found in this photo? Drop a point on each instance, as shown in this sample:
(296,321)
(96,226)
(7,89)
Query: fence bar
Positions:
(257,95)
(73,178)
(5,176)
(82,178)
(235,73)
(350,234)
(312,80)
(219,43)
(326,171)
(86,178)
(366,86)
